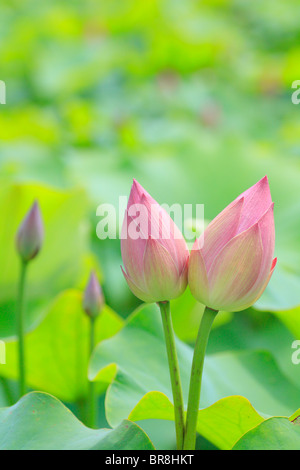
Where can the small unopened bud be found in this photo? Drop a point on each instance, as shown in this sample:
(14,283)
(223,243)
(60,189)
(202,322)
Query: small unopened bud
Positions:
(30,235)
(93,299)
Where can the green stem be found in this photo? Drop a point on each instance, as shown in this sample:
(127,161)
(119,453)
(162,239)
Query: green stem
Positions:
(92,400)
(196,378)
(9,395)
(174,372)
(20,329)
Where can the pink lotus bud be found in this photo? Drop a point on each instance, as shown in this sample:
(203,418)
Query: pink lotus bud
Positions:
(93,299)
(232,262)
(154,252)
(30,235)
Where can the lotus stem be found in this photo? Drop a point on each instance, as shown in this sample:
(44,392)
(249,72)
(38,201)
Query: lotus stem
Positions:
(20,329)
(92,393)
(174,372)
(196,378)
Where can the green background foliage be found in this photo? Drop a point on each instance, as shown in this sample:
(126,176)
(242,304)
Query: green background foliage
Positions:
(193,99)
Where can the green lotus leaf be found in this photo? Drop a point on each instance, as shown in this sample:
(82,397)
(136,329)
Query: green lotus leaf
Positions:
(41,422)
(57,350)
(137,357)
(223,423)
(272,434)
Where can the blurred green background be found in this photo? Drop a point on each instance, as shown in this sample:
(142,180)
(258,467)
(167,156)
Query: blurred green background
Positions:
(192,98)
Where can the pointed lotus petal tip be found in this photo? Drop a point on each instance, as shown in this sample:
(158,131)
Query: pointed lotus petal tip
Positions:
(136,193)
(264,183)
(30,235)
(274,262)
(198,244)
(93,299)
(136,186)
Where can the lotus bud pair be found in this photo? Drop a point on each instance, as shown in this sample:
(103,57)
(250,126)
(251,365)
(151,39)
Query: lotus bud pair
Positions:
(230,264)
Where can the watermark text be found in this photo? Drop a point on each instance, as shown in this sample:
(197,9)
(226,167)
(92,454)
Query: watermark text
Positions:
(145,220)
(296,353)
(2,353)
(2,92)
(296,94)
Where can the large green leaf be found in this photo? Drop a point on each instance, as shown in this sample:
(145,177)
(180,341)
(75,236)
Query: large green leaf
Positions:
(9,392)
(223,423)
(272,434)
(260,330)
(57,350)
(63,260)
(40,422)
(291,319)
(138,358)
(3,395)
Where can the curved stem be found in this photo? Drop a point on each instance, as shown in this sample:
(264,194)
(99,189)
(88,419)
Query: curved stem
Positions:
(92,400)
(174,372)
(196,378)
(20,330)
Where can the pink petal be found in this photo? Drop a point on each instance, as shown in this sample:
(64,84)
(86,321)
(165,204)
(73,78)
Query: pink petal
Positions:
(274,262)
(253,296)
(220,231)
(257,201)
(183,275)
(198,280)
(93,299)
(267,231)
(235,269)
(136,194)
(139,293)
(145,217)
(163,229)
(30,235)
(161,273)
(133,253)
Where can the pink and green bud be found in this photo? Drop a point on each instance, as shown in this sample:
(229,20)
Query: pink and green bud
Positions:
(93,299)
(30,235)
(154,252)
(232,262)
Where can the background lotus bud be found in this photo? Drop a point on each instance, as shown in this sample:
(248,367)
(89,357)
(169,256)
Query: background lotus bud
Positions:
(232,262)
(154,252)
(93,299)
(30,235)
